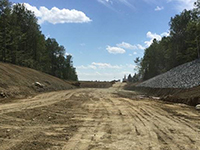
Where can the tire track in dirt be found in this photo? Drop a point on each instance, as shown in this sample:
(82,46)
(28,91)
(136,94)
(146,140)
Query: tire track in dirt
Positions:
(160,127)
(31,133)
(38,101)
(97,119)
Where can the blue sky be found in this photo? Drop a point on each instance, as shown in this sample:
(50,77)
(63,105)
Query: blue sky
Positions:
(105,36)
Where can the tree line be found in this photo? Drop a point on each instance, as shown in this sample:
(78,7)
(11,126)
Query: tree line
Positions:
(22,43)
(181,46)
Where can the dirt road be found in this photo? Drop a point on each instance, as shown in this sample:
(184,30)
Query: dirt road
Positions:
(97,119)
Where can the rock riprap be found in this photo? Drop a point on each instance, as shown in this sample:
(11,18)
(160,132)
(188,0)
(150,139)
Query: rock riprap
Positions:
(183,76)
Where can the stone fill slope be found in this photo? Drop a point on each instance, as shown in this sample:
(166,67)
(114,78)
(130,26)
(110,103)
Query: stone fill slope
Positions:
(184,76)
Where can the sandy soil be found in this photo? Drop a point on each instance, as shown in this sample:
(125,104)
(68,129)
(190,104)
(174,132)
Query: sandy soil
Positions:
(97,119)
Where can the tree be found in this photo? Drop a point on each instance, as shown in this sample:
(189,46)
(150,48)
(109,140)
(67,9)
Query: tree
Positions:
(26,22)
(197,4)
(22,43)
(178,30)
(129,79)
(5,9)
(180,47)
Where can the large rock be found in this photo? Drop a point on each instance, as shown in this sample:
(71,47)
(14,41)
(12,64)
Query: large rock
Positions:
(38,84)
(2,95)
(198,107)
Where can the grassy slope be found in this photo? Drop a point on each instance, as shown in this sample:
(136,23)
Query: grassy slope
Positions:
(16,81)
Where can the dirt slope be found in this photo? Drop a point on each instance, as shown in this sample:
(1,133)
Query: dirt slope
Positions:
(97,119)
(16,81)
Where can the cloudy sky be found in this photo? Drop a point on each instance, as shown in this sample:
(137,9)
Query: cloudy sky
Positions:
(105,36)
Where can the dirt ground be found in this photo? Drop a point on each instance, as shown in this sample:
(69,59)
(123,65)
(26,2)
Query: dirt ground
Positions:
(97,119)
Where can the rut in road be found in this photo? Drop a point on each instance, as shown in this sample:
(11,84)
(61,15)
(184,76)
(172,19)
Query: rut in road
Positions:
(97,119)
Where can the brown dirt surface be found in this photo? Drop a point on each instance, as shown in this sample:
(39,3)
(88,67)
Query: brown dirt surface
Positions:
(95,84)
(189,96)
(97,119)
(18,82)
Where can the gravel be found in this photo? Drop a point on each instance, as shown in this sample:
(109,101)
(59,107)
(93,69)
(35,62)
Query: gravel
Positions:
(184,76)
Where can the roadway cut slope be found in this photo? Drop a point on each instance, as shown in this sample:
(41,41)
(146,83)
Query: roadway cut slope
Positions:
(16,81)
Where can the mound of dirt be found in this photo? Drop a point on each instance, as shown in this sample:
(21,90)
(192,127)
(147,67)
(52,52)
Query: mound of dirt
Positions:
(19,82)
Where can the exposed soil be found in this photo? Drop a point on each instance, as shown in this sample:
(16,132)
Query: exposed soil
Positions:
(176,95)
(96,84)
(19,82)
(97,119)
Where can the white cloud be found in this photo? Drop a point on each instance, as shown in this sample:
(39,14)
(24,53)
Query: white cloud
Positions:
(165,34)
(34,9)
(140,47)
(104,71)
(99,66)
(106,65)
(66,54)
(130,66)
(159,8)
(99,76)
(96,65)
(129,46)
(86,67)
(102,76)
(153,36)
(115,50)
(124,45)
(56,15)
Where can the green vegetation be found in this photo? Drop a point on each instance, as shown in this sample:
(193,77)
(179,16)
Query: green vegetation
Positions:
(22,43)
(183,45)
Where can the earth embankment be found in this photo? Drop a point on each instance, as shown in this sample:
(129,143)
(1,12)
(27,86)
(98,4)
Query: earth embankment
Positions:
(18,82)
